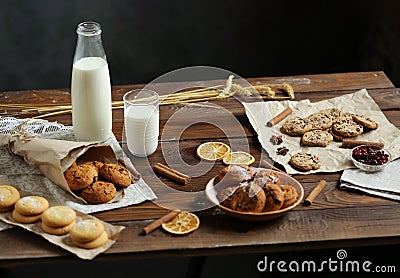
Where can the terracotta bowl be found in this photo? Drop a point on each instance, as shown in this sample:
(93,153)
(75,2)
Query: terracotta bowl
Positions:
(262,216)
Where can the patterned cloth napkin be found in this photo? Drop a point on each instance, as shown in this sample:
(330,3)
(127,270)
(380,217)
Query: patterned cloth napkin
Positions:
(14,170)
(385,183)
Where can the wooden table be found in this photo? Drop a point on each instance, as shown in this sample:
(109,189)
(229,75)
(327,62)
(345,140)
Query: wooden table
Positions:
(336,218)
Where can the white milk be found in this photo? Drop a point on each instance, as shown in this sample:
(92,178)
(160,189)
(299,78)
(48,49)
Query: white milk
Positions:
(141,128)
(91,99)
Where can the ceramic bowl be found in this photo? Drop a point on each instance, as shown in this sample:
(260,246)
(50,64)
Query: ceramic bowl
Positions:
(262,216)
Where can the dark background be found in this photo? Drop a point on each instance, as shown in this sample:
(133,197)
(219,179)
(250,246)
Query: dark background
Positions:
(144,39)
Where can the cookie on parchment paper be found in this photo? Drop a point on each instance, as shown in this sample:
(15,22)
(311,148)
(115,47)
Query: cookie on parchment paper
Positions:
(9,195)
(296,126)
(319,121)
(88,234)
(316,138)
(333,113)
(305,161)
(347,128)
(365,121)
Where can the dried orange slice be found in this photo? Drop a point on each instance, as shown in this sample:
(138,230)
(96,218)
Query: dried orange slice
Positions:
(183,223)
(213,151)
(239,158)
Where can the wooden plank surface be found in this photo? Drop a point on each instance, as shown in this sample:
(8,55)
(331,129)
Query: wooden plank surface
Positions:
(336,216)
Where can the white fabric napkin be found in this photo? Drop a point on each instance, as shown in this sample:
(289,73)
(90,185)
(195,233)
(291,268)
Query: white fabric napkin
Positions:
(385,183)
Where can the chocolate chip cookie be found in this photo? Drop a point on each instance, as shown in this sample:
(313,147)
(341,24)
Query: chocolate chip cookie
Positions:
(96,164)
(99,192)
(296,126)
(290,195)
(248,198)
(116,174)
(274,197)
(305,161)
(346,127)
(316,138)
(80,176)
(365,121)
(333,113)
(337,137)
(319,121)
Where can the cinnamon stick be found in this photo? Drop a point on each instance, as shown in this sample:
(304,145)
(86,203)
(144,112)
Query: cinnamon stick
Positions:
(157,223)
(135,175)
(314,193)
(266,164)
(280,117)
(171,173)
(349,143)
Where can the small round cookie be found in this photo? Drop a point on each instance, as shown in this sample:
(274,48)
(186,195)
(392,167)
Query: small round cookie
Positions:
(274,197)
(305,161)
(100,241)
(290,195)
(31,205)
(347,128)
(248,198)
(9,195)
(320,121)
(25,219)
(58,216)
(296,126)
(116,174)
(333,113)
(316,138)
(58,231)
(86,230)
(365,121)
(99,192)
(81,176)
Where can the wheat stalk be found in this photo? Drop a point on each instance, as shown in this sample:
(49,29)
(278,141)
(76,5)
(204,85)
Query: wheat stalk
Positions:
(190,97)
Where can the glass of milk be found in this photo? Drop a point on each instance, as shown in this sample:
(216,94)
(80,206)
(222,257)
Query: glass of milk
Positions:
(141,121)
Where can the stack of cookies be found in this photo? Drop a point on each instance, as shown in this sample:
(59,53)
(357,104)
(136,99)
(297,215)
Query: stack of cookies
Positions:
(55,220)
(29,209)
(9,195)
(58,220)
(320,129)
(249,189)
(88,234)
(97,182)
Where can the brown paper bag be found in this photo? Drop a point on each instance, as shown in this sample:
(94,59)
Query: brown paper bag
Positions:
(52,157)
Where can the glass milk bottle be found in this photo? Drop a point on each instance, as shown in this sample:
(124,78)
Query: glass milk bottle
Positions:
(90,86)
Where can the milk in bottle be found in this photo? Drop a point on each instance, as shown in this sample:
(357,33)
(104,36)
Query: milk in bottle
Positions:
(90,86)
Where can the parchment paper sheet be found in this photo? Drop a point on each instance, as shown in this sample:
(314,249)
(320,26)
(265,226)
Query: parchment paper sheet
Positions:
(333,157)
(64,241)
